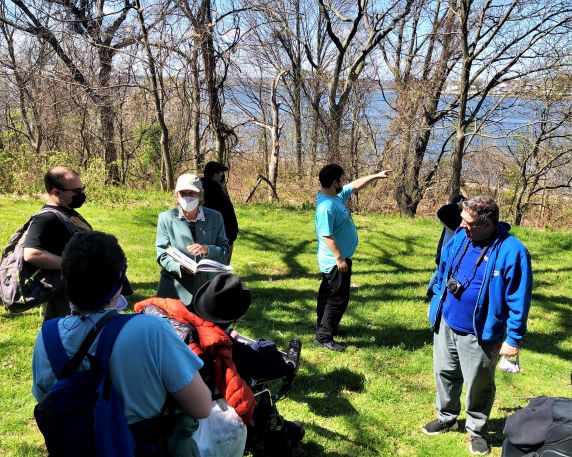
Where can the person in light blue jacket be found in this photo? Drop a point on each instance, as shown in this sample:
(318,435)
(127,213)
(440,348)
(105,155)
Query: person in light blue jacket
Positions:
(194,230)
(478,311)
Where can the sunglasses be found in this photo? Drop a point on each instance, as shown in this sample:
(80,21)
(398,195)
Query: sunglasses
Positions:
(76,191)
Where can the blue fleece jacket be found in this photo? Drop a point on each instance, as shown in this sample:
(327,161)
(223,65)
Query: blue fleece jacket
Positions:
(504,299)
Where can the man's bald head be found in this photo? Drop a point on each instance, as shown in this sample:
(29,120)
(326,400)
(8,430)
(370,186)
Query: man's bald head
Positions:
(57,176)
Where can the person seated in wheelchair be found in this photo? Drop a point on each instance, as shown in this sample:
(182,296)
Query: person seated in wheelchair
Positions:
(234,365)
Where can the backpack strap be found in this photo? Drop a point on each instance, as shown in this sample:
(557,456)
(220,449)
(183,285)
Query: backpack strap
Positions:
(54,346)
(108,337)
(62,365)
(105,347)
(64,218)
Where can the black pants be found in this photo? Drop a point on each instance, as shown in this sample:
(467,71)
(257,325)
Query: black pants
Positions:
(333,298)
(58,305)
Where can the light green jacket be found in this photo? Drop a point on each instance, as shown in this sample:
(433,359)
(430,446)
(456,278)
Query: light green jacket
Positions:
(173,231)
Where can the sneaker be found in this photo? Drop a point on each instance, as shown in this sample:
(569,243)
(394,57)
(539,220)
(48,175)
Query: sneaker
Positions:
(436,426)
(295,432)
(479,445)
(331,345)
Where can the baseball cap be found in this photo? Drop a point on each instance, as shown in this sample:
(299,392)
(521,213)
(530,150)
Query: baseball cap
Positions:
(189,181)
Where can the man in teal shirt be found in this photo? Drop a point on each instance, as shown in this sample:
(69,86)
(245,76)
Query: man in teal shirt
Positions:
(337,242)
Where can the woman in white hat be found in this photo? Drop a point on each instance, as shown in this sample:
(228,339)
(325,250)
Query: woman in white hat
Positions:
(193,230)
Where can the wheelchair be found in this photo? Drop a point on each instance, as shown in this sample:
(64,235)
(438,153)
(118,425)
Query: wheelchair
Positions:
(272,435)
(263,367)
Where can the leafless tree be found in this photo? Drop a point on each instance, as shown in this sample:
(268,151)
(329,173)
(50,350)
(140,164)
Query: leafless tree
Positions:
(355,29)
(99,25)
(157,89)
(215,54)
(420,54)
(542,154)
(500,43)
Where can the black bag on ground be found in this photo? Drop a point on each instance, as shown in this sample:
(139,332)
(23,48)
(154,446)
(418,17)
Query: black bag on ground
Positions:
(542,429)
(23,286)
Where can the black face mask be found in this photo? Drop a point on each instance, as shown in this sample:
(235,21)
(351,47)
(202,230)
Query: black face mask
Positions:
(339,189)
(77,200)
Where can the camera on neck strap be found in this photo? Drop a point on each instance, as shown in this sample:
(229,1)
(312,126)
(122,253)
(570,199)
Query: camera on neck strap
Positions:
(455,287)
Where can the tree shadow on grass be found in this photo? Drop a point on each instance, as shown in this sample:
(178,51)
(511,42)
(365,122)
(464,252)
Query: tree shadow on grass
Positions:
(324,392)
(386,335)
(309,448)
(547,343)
(288,254)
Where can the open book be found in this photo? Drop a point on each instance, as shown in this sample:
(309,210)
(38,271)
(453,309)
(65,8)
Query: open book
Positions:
(203,266)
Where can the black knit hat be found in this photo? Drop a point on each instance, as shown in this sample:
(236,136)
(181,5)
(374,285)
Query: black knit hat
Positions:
(213,167)
(222,300)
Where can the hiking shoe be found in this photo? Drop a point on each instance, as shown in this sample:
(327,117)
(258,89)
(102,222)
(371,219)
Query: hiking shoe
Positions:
(436,426)
(479,446)
(331,345)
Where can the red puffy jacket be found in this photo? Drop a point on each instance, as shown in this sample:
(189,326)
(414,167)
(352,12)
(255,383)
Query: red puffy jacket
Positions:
(215,342)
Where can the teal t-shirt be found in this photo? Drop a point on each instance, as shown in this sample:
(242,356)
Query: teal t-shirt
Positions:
(148,360)
(333,218)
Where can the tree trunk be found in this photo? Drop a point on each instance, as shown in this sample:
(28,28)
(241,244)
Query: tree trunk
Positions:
(215,111)
(464,86)
(195,104)
(107,116)
(275,135)
(335,124)
(158,102)
(298,92)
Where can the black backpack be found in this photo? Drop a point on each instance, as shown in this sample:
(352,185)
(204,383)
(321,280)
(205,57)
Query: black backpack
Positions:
(82,414)
(541,429)
(23,286)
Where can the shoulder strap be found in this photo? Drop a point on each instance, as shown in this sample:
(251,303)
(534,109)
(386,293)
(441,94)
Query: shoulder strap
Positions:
(62,365)
(64,218)
(108,337)
(54,346)
(105,347)
(17,237)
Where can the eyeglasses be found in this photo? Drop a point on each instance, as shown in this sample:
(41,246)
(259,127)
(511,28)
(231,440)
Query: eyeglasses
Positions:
(76,191)
(471,224)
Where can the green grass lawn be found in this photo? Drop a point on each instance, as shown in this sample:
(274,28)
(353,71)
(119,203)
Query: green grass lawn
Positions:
(371,400)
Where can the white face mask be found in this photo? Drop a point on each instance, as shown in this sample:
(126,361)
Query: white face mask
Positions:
(188,203)
(121,303)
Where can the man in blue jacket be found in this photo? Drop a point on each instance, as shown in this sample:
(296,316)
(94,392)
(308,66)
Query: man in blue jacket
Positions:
(478,312)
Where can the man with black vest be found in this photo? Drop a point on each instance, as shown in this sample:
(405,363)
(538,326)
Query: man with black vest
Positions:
(49,231)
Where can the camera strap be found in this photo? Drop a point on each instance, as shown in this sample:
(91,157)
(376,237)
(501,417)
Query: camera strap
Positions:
(476,264)
(456,269)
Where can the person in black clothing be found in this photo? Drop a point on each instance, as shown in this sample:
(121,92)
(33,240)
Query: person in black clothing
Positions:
(216,198)
(48,235)
(450,217)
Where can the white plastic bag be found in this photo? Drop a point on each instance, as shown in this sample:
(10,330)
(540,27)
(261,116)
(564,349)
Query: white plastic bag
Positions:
(222,434)
(510,364)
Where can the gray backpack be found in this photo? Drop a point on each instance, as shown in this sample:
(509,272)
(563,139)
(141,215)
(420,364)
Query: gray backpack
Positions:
(23,286)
